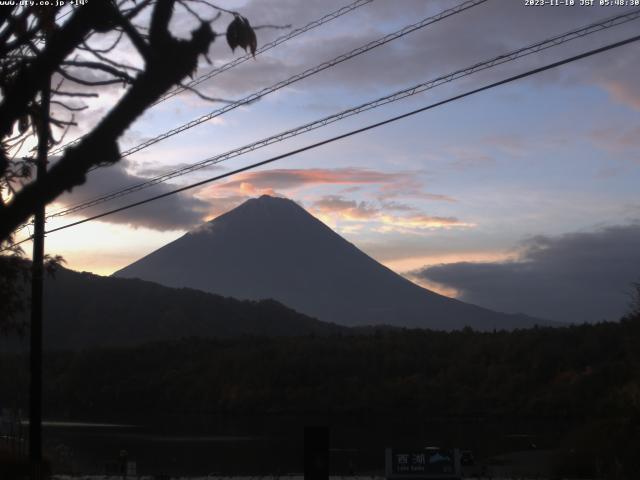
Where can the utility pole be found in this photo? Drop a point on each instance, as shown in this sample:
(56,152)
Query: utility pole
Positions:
(35,388)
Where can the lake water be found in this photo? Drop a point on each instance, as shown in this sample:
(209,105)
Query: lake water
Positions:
(225,446)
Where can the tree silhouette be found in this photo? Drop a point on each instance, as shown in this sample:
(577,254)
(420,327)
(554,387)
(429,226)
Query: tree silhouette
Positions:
(73,54)
(634,308)
(35,48)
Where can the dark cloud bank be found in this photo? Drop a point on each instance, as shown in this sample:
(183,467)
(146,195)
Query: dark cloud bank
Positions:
(577,277)
(476,35)
(175,212)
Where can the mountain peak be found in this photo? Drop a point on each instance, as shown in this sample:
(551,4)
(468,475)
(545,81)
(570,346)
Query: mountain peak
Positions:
(271,247)
(264,209)
(270,200)
(267,198)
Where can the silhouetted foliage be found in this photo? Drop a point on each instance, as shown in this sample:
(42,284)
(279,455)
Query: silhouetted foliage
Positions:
(75,55)
(634,307)
(240,34)
(574,372)
(587,376)
(36,50)
(15,272)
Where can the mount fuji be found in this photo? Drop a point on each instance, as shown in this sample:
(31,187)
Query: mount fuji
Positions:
(270,247)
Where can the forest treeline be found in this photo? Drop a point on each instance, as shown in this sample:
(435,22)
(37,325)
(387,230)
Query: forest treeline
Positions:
(573,372)
(586,376)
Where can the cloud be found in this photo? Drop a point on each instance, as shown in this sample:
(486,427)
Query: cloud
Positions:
(410,187)
(616,78)
(175,212)
(421,222)
(514,145)
(283,179)
(348,209)
(333,208)
(576,277)
(464,157)
(341,213)
(472,36)
(150,169)
(217,205)
(391,185)
(397,206)
(336,208)
(618,140)
(456,42)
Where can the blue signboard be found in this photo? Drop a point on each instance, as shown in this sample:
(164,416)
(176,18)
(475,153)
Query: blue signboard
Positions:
(427,463)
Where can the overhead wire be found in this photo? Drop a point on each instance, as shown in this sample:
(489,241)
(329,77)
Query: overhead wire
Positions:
(461,7)
(454,98)
(239,60)
(292,34)
(466,5)
(393,97)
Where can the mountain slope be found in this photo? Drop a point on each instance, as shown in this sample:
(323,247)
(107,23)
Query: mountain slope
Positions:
(272,248)
(83,310)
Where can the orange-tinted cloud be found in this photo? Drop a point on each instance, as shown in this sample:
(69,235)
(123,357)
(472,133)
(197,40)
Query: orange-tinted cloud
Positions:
(410,187)
(617,139)
(333,207)
(392,223)
(392,185)
(400,262)
(623,91)
(509,143)
(250,189)
(347,209)
(283,179)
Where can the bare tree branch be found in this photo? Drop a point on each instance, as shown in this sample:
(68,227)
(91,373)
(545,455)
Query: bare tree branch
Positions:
(69,107)
(100,66)
(169,60)
(30,79)
(138,41)
(108,49)
(203,96)
(41,48)
(109,61)
(88,83)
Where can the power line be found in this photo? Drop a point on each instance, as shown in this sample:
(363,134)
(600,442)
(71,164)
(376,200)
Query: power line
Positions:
(15,244)
(398,95)
(351,133)
(305,74)
(294,33)
(237,61)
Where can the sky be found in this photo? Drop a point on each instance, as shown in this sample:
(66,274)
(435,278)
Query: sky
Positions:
(522,199)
